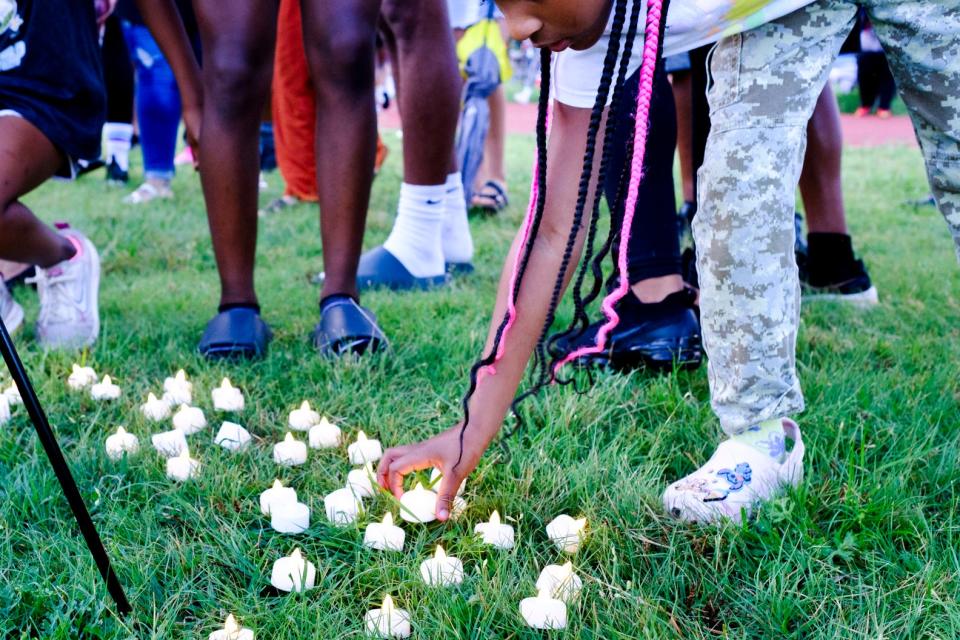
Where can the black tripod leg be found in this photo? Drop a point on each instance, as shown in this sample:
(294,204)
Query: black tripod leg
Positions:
(62,471)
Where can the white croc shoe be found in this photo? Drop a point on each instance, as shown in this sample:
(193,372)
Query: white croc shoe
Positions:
(735,479)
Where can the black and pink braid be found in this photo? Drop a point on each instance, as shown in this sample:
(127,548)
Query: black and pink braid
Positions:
(656,13)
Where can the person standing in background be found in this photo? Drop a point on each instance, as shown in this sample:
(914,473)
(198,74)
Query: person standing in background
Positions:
(157,101)
(118,77)
(877,86)
(477,23)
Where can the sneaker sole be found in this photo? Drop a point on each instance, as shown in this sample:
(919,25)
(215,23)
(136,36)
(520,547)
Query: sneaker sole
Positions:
(661,356)
(868,298)
(14,319)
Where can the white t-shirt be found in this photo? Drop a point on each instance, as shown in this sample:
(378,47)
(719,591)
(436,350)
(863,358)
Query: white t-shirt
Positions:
(690,24)
(466,13)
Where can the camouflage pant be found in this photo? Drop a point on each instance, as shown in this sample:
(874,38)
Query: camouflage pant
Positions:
(766,84)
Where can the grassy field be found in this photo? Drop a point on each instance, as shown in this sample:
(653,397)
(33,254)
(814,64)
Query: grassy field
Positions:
(868,547)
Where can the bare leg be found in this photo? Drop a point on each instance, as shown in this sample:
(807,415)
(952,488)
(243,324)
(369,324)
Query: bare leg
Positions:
(340,44)
(27,160)
(238,43)
(683,96)
(821,185)
(491,168)
(427,63)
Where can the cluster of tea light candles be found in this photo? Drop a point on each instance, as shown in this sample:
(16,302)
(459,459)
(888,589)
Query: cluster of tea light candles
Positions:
(173,405)
(556,586)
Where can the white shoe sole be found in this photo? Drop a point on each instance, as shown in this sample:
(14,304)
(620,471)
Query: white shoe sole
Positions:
(14,318)
(868,298)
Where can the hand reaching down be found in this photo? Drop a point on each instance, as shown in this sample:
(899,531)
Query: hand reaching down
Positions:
(442,452)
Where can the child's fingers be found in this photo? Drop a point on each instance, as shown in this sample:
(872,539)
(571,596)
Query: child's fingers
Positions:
(413,460)
(383,469)
(448,490)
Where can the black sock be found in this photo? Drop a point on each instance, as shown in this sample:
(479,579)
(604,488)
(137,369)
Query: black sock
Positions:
(253,306)
(836,248)
(631,309)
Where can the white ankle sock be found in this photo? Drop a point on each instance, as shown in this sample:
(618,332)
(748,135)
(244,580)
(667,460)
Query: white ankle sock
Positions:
(457,241)
(119,135)
(415,239)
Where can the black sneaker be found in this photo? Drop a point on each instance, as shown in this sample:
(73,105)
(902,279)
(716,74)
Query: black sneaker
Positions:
(115,175)
(832,272)
(658,336)
(848,283)
(88,166)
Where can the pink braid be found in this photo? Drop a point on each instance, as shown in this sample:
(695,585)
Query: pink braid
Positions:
(651,48)
(525,238)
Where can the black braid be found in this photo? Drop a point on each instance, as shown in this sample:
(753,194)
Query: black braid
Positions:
(619,204)
(596,118)
(543,107)
(543,374)
(581,320)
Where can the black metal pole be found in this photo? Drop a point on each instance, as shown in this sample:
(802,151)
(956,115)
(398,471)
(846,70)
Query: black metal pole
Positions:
(62,471)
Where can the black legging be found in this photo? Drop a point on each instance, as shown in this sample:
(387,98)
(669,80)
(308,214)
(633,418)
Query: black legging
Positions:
(654,244)
(875,80)
(117,73)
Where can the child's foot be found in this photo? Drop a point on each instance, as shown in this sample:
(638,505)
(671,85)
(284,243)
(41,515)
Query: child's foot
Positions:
(117,176)
(861,112)
(185,157)
(884,114)
(10,312)
(658,336)
(347,328)
(148,191)
(740,474)
(69,298)
(832,272)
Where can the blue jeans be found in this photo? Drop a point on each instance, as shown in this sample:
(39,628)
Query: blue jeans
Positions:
(157,103)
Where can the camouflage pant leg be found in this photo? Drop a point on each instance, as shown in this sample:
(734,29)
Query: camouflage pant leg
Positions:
(766,84)
(922,41)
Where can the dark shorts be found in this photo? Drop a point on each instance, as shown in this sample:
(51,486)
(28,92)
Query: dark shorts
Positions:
(69,169)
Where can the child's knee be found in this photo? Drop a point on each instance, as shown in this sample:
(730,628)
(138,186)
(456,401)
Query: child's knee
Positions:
(406,18)
(237,79)
(343,59)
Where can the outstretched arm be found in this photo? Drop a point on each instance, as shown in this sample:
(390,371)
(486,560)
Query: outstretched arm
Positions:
(494,394)
(164,21)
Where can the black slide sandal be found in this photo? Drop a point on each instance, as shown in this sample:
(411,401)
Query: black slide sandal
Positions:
(346,327)
(235,333)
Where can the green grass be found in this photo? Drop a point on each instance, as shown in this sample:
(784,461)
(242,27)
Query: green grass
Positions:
(866,548)
(849,102)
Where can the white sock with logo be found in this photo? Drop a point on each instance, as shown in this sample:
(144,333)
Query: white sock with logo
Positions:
(415,239)
(119,135)
(457,241)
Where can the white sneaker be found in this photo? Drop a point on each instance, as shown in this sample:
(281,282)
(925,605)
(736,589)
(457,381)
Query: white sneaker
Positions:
(69,304)
(734,480)
(10,311)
